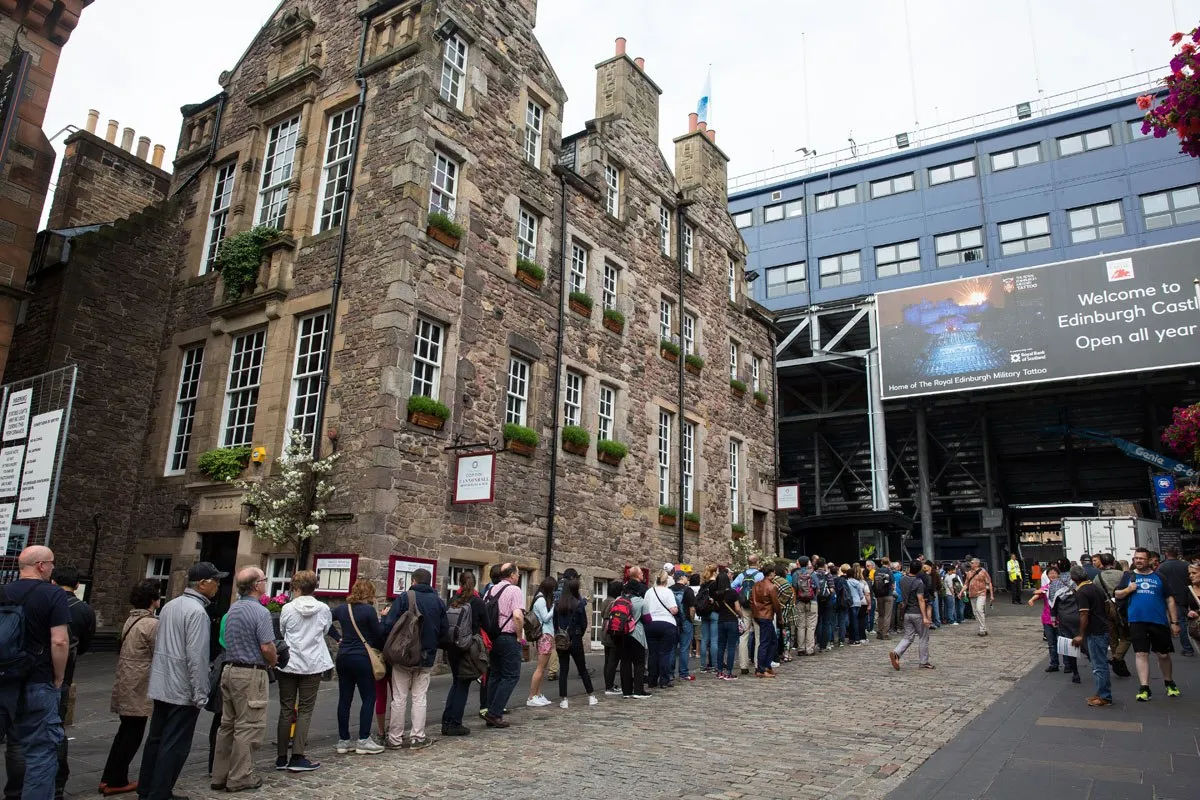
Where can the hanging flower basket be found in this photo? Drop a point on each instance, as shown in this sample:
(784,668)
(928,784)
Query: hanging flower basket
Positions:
(1183,434)
(1178,111)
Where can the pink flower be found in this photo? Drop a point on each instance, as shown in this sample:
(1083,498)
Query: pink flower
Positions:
(1145,101)
(1188,48)
(1176,38)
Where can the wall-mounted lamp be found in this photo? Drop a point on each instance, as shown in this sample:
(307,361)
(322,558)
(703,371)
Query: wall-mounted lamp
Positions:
(183,516)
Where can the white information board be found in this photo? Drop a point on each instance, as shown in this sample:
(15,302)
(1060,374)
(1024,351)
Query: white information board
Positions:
(6,517)
(38,475)
(11,459)
(16,415)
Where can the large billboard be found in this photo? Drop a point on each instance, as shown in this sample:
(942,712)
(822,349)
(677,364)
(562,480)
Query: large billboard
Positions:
(1110,314)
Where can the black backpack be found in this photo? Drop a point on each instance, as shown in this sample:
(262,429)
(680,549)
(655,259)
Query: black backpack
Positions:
(704,602)
(459,621)
(883,585)
(491,612)
(1066,611)
(842,587)
(16,663)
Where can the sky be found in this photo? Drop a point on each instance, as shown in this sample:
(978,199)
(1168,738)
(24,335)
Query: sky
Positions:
(138,61)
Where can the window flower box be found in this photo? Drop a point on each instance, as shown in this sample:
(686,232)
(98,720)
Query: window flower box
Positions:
(530,274)
(693,363)
(691,521)
(443,229)
(669,350)
(611,452)
(614,320)
(427,412)
(667,515)
(575,440)
(580,303)
(760,399)
(737,387)
(520,440)
(737,530)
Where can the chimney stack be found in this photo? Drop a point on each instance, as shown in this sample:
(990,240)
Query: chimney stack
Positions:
(693,121)
(159,152)
(620,45)
(143,150)
(127,140)
(702,127)
(641,62)
(110,135)
(93,119)
(712,135)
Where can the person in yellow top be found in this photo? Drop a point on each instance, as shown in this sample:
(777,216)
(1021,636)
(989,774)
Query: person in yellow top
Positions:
(1014,578)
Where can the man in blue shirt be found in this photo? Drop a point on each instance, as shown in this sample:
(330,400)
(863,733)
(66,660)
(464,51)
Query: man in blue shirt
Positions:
(1151,609)
(746,641)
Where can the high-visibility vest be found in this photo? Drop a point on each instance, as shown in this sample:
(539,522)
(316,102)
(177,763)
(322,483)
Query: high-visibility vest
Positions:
(1014,569)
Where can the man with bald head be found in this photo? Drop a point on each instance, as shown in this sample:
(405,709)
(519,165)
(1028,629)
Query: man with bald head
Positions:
(33,610)
(245,690)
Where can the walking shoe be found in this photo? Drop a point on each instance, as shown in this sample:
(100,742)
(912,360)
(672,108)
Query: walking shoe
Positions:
(592,700)
(729,676)
(895,659)
(551,676)
(1075,679)
(1119,668)
(420,744)
(612,692)
(455,730)
(1143,694)
(368,747)
(1051,668)
(537,701)
(281,763)
(774,664)
(495,722)
(483,713)
(926,666)
(642,696)
(388,744)
(1189,654)
(746,671)
(562,703)
(344,746)
(688,678)
(302,764)
(1096,702)
(769,673)
(1172,690)
(249,787)
(109,791)
(953,623)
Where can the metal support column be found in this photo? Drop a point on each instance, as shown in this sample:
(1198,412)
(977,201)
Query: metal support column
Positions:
(817,473)
(923,482)
(878,434)
(986,438)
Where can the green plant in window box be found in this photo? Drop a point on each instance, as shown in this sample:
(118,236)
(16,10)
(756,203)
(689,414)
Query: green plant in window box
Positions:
(427,412)
(667,515)
(520,440)
(668,349)
(693,363)
(691,521)
(445,230)
(611,451)
(530,273)
(614,320)
(240,256)
(575,440)
(223,464)
(580,303)
(738,387)
(760,398)
(737,529)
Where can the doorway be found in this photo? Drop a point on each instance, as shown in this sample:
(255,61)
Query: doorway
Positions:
(221,549)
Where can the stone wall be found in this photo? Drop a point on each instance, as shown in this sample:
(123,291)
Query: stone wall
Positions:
(99,182)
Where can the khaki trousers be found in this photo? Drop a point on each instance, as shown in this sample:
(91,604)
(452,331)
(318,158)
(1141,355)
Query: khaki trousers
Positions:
(407,683)
(244,695)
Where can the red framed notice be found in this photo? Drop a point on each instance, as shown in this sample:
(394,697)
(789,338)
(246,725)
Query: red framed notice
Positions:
(787,497)
(400,572)
(336,573)
(475,478)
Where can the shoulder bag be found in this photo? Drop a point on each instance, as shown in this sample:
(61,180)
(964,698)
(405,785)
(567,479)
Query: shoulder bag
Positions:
(378,667)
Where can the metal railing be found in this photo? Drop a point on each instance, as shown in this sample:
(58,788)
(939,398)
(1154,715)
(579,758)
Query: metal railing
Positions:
(1136,83)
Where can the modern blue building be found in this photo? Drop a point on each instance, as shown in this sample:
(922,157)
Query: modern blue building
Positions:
(1063,178)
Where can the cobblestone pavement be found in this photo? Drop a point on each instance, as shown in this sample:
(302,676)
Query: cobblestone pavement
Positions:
(754,738)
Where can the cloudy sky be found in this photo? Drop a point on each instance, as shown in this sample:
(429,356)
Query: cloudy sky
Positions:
(138,61)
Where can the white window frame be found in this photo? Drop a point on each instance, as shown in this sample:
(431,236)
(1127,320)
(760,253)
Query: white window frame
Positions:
(689,242)
(454,576)
(429,341)
(898,258)
(1099,230)
(689,466)
(732,281)
(954,171)
(218,214)
(577,278)
(1180,206)
(335,173)
(687,333)
(606,412)
(842,269)
(837,198)
(454,71)
(1026,235)
(744,219)
(664,457)
(896,184)
(666,310)
(527,234)
(612,195)
(1084,142)
(443,185)
(279,161)
(608,293)
(787,271)
(733,360)
(599,598)
(664,231)
(754,374)
(158,568)
(180,444)
(279,574)
(1016,157)
(573,399)
(516,404)
(535,115)
(959,247)
(311,333)
(735,481)
(244,380)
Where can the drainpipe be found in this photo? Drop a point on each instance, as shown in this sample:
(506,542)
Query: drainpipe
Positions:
(552,501)
(336,288)
(681,213)
(775,424)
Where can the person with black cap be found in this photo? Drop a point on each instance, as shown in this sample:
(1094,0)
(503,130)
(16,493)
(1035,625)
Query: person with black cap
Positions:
(179,683)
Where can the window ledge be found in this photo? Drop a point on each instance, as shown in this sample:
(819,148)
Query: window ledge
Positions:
(259,301)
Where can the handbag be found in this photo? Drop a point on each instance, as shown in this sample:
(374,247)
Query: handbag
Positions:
(378,667)
(741,621)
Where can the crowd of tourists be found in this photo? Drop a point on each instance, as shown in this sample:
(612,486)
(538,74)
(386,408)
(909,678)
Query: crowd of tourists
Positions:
(733,623)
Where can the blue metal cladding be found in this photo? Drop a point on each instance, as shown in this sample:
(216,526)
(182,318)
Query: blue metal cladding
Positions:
(1130,167)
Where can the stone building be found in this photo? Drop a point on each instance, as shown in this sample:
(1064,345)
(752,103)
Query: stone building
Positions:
(32,35)
(460,113)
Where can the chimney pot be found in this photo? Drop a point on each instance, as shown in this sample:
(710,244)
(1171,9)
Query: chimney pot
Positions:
(702,127)
(641,62)
(159,152)
(693,121)
(712,135)
(127,140)
(110,135)
(620,45)
(93,118)
(143,149)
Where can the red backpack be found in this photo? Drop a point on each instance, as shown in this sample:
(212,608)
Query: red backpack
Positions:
(620,618)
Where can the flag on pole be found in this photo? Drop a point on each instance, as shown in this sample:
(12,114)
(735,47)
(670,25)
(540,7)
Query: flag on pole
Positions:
(702,106)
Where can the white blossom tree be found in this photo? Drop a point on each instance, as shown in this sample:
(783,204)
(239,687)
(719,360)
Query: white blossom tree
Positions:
(288,507)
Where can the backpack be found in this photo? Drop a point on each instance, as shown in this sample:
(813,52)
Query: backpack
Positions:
(15,661)
(746,588)
(1066,611)
(787,595)
(884,584)
(491,612)
(824,584)
(842,587)
(620,618)
(678,591)
(473,660)
(803,581)
(532,625)
(459,622)
(403,645)
(704,602)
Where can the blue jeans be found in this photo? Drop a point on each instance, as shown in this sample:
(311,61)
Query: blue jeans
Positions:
(843,623)
(687,632)
(826,624)
(937,614)
(1051,641)
(871,618)
(708,641)
(354,672)
(948,610)
(661,637)
(961,616)
(1185,643)
(727,644)
(767,642)
(504,670)
(456,700)
(39,731)
(1097,647)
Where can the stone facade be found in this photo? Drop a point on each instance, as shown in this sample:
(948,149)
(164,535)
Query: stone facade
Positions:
(497,354)
(41,28)
(99,182)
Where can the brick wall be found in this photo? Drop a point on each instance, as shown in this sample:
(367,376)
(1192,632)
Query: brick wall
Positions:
(99,182)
